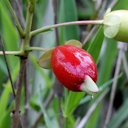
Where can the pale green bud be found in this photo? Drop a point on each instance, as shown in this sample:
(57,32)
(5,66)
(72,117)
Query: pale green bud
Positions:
(116,25)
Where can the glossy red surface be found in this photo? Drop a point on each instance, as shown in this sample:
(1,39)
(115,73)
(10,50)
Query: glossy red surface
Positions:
(71,65)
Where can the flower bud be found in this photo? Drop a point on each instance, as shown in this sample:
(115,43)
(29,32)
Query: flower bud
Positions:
(116,25)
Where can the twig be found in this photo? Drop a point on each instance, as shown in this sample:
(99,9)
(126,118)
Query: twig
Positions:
(91,110)
(19,12)
(10,52)
(27,94)
(16,113)
(98,5)
(28,49)
(36,49)
(9,73)
(55,8)
(61,118)
(113,91)
(105,5)
(46,28)
(89,35)
(113,3)
(15,18)
(29,18)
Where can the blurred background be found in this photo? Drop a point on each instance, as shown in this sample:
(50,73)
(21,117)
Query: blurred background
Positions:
(44,101)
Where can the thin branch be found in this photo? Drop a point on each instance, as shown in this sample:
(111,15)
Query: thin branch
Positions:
(46,28)
(28,26)
(10,52)
(29,49)
(26,84)
(90,34)
(98,5)
(55,8)
(91,110)
(113,3)
(61,117)
(16,113)
(102,9)
(9,73)
(36,49)
(15,18)
(25,117)
(19,12)
(113,91)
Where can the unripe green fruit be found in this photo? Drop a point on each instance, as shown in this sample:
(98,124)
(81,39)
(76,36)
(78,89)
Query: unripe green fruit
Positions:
(116,25)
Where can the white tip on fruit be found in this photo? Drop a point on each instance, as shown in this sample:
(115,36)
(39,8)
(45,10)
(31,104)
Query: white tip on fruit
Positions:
(89,86)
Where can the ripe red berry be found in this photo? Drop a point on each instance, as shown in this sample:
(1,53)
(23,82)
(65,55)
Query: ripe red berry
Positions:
(74,68)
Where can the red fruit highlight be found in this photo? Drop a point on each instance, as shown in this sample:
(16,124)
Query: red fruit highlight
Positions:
(72,65)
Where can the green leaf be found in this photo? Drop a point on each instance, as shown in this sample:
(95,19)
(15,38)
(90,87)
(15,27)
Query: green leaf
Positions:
(74,43)
(95,47)
(45,60)
(41,7)
(119,116)
(34,103)
(6,119)
(10,37)
(46,117)
(94,117)
(3,70)
(4,100)
(72,102)
(68,12)
(121,5)
(5,96)
(105,69)
(107,61)
(7,90)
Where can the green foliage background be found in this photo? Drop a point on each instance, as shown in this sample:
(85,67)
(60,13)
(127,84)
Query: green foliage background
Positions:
(72,105)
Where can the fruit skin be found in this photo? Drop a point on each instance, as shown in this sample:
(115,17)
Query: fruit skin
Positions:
(71,65)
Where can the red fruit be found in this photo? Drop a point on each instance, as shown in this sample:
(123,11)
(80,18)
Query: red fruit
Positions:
(73,66)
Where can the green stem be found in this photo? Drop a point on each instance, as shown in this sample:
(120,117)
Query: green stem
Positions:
(21,32)
(36,49)
(29,49)
(11,52)
(46,28)
(29,18)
